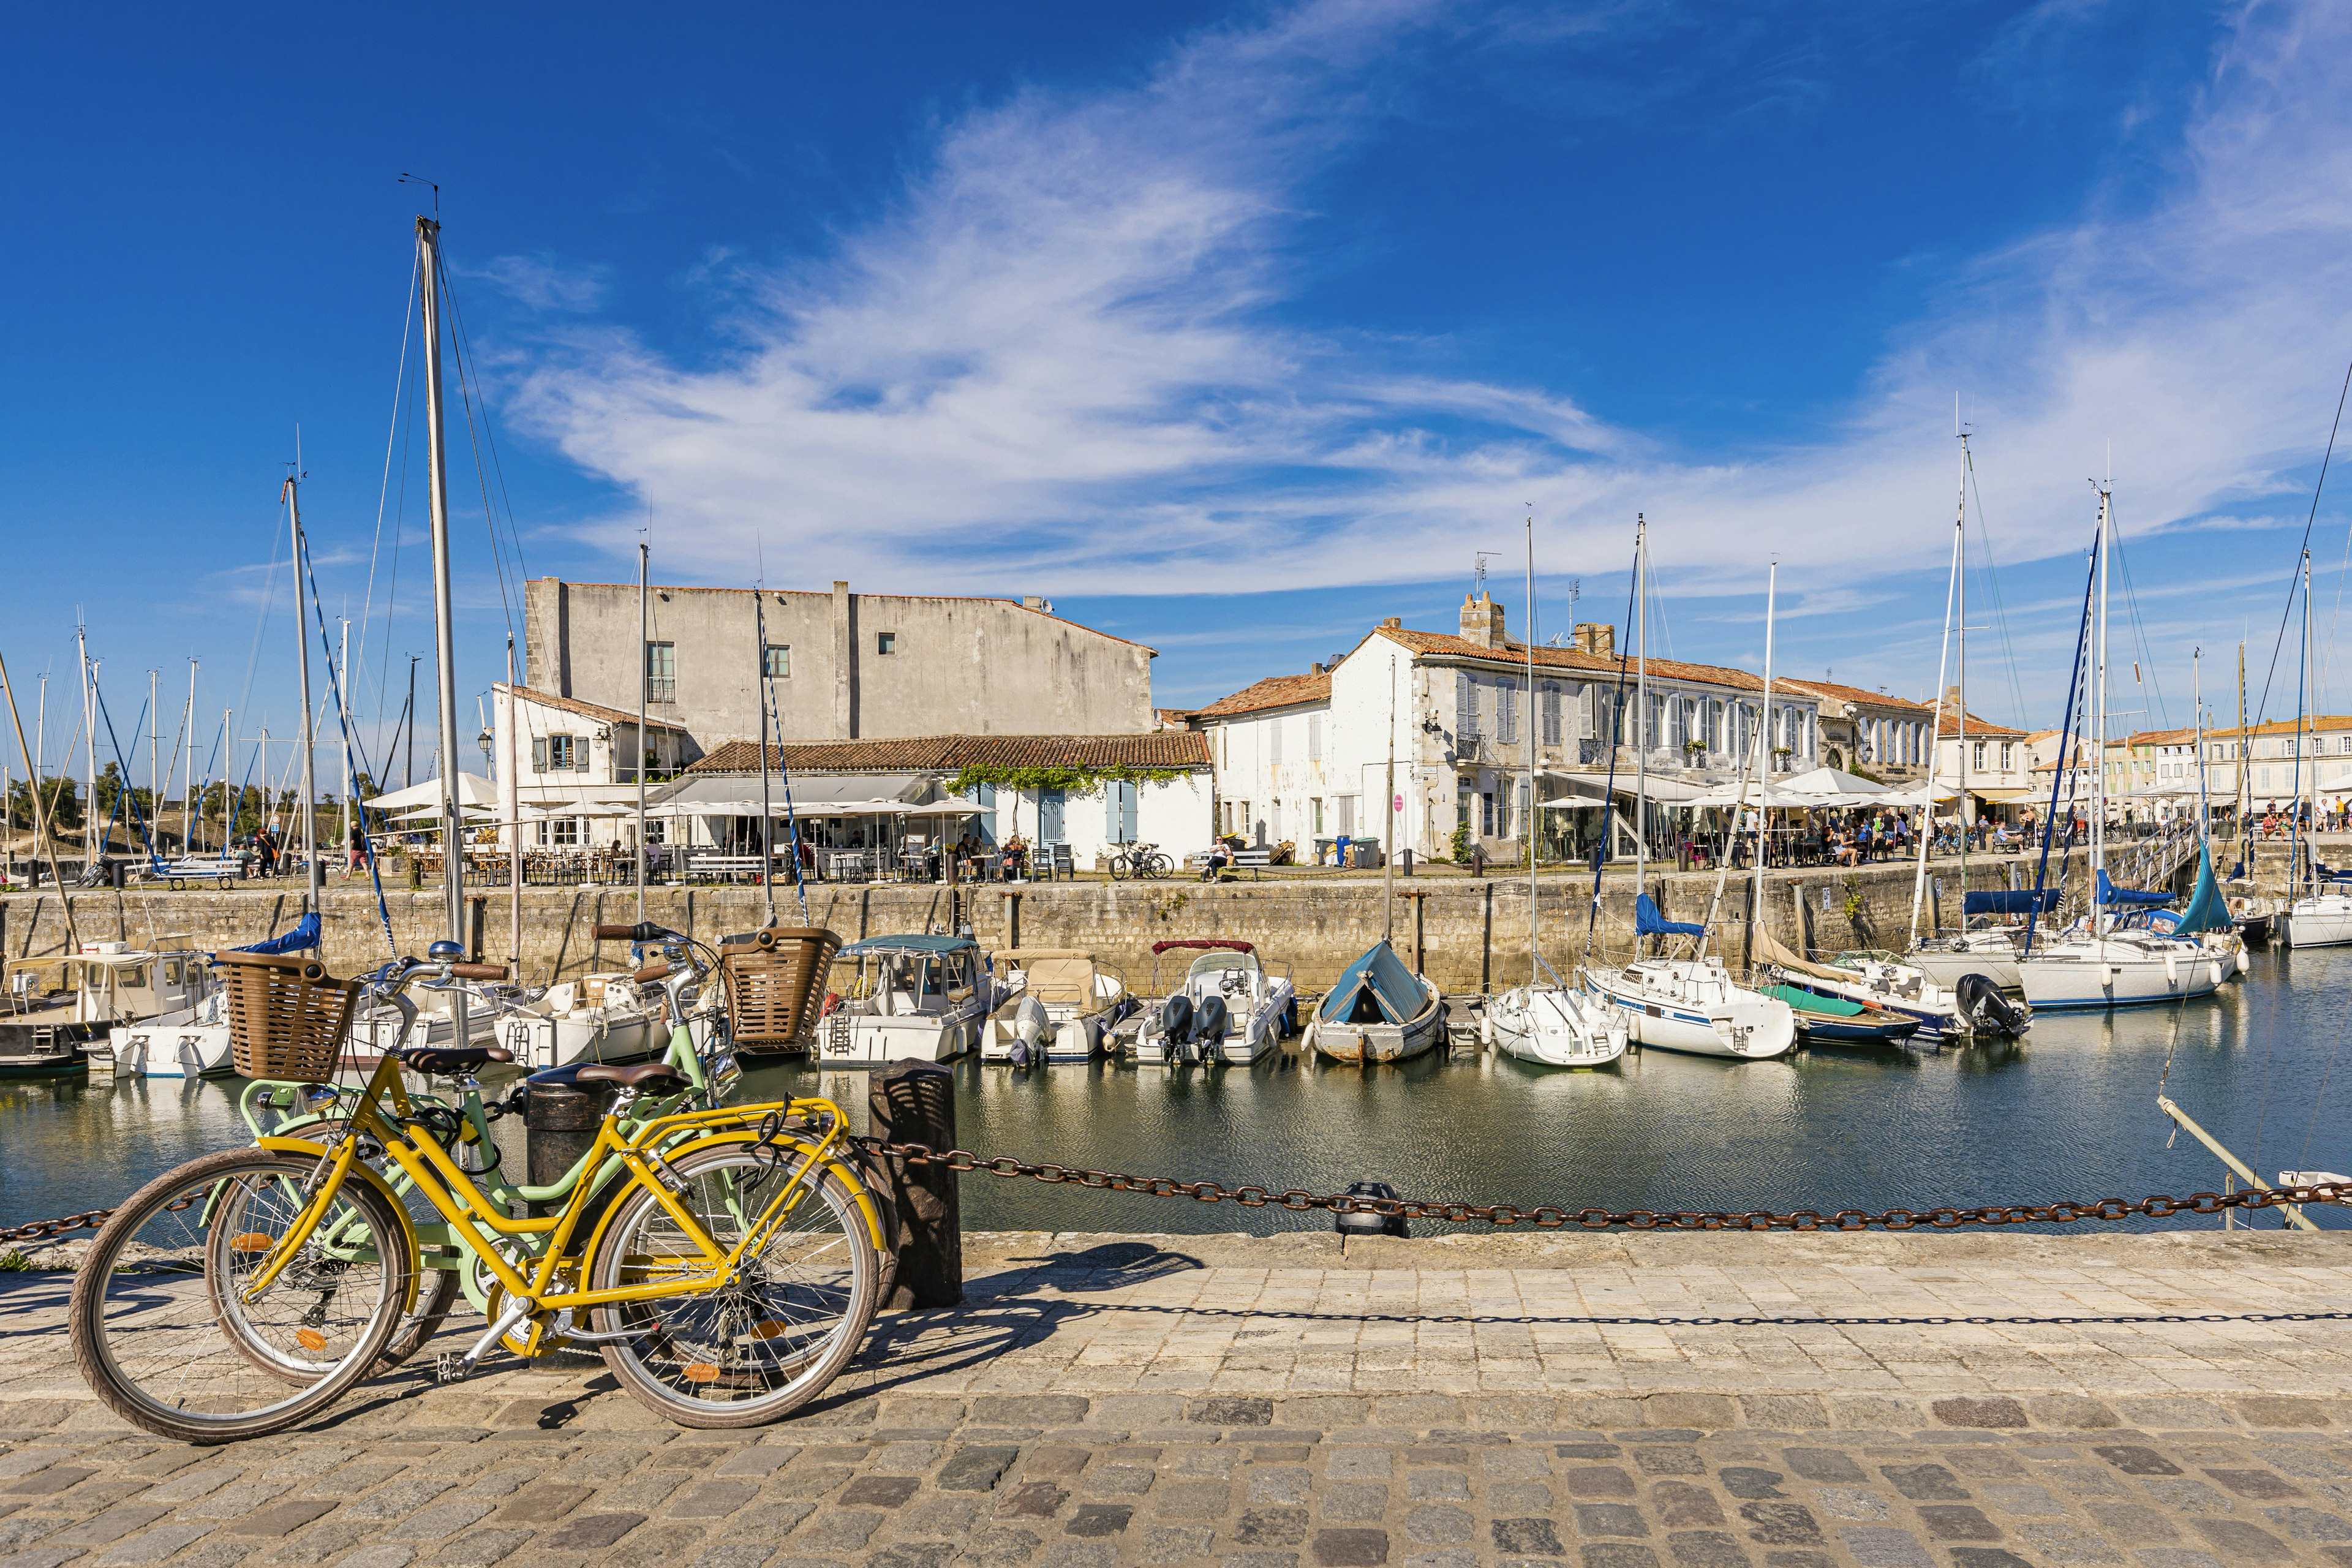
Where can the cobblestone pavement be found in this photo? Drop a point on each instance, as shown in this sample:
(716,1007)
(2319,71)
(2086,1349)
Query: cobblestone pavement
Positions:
(1289,1404)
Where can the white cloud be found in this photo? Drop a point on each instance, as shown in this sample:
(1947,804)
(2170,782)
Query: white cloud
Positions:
(1055,364)
(541,283)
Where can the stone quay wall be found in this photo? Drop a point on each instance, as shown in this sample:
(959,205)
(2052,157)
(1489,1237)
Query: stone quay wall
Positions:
(1468,935)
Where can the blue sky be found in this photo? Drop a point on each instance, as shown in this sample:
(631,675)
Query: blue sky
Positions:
(1230,329)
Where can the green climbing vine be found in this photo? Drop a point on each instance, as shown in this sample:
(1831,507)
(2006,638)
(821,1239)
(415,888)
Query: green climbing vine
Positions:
(1069,781)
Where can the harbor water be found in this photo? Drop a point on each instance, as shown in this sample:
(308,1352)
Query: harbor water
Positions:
(2068,1112)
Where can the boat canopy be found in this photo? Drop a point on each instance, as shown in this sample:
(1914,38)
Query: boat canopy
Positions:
(1648,922)
(2138,898)
(911,944)
(1805,1001)
(305,934)
(2018,901)
(2207,911)
(1160,947)
(1376,989)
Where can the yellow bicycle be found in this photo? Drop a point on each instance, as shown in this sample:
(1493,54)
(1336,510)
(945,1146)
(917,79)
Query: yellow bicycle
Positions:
(728,1275)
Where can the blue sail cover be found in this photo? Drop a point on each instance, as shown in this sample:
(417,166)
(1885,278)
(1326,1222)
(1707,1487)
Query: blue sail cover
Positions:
(2023,902)
(2110,894)
(1648,922)
(1376,988)
(2207,911)
(304,934)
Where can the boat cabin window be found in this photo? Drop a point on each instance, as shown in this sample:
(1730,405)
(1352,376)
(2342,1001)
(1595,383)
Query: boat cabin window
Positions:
(132,976)
(174,972)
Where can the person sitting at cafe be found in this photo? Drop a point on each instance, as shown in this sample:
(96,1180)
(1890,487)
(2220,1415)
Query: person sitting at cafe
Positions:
(1016,858)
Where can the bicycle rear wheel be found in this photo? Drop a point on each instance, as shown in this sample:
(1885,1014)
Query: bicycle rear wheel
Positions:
(162,1326)
(757,1350)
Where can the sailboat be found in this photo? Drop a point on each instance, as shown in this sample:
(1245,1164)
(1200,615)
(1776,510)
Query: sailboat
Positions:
(2320,915)
(1682,1004)
(1556,1025)
(2102,963)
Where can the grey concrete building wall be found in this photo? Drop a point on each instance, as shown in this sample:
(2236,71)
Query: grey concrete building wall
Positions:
(954,666)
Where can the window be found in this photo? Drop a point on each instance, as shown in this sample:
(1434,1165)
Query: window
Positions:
(886,642)
(1465,706)
(1550,713)
(1315,748)
(778,663)
(558,755)
(1507,712)
(1118,798)
(1315,816)
(1273,742)
(2008,755)
(1346,815)
(661,672)
(566,831)
(656,830)
(1486,815)
(1977,756)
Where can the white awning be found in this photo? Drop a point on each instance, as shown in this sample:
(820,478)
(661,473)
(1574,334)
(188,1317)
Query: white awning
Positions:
(473,789)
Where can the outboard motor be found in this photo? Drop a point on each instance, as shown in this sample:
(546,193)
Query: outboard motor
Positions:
(1208,1029)
(1989,1011)
(1175,1025)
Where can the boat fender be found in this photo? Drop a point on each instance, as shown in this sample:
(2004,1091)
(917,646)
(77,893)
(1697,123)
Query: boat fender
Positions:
(2107,976)
(2172,970)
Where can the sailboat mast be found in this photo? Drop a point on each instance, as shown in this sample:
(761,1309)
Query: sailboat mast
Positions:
(2197,701)
(343,718)
(1961,629)
(644,680)
(2238,778)
(1389,805)
(188,774)
(1534,949)
(2305,850)
(767,822)
(2099,738)
(302,672)
(1936,742)
(445,649)
(1642,707)
(1763,750)
(154,745)
(90,851)
(510,807)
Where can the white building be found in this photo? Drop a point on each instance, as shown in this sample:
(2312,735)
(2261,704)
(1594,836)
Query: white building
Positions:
(555,752)
(1308,758)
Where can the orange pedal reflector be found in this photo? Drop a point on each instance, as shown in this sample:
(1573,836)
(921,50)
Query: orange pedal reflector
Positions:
(311,1339)
(249,1241)
(701,1372)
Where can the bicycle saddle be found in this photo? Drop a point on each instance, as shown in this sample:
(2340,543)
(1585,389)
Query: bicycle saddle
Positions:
(636,1077)
(430,1059)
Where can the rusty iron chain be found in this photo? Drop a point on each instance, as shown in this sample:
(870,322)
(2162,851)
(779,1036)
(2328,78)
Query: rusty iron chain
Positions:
(1549,1216)
(1543,1216)
(50,1229)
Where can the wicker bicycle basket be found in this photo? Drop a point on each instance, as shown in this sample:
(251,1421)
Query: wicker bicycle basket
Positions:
(287,1015)
(776,984)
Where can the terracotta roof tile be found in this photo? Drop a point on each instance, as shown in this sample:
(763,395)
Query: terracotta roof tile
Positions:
(1274,691)
(1831,690)
(1948,729)
(586,710)
(952,753)
(1444,644)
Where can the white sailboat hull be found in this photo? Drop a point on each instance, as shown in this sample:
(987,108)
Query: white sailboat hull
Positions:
(1996,960)
(1679,1005)
(2322,921)
(2097,972)
(1554,1027)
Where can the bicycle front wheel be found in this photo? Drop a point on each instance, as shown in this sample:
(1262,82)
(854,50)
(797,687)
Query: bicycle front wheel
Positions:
(757,1349)
(1161,864)
(169,1332)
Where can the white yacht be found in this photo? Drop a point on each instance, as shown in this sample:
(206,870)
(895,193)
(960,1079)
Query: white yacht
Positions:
(1229,1011)
(1082,999)
(911,998)
(596,1018)
(2318,919)
(1692,1005)
(1988,951)
(59,1009)
(1554,1027)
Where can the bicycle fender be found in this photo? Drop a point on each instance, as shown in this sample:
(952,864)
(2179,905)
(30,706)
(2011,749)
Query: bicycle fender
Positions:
(369,1174)
(850,1175)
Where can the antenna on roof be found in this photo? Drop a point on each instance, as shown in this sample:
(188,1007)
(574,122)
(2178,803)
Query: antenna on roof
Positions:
(1478,576)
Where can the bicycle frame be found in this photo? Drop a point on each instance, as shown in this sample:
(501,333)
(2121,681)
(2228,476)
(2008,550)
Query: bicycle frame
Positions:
(452,1194)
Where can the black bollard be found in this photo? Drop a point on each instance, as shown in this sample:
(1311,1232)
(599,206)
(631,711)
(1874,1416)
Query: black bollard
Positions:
(914,1102)
(1358,1222)
(560,1122)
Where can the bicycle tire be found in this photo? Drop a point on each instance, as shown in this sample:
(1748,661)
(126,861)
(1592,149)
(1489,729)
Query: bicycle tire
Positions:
(148,1332)
(1162,866)
(1120,868)
(763,1348)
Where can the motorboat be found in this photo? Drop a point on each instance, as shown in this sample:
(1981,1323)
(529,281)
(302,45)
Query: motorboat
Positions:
(1080,997)
(908,998)
(1378,1011)
(376,1032)
(1972,1004)
(191,1043)
(1988,951)
(2258,919)
(1229,1011)
(1554,1027)
(596,1018)
(1825,1019)
(59,1007)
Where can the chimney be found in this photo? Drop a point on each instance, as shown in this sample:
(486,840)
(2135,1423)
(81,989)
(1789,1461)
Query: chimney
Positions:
(1395,623)
(1952,700)
(1032,602)
(1596,639)
(1314,670)
(1482,621)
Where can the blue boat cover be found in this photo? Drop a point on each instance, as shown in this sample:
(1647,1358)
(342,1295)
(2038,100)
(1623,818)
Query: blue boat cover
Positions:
(2207,911)
(1648,922)
(304,934)
(2023,902)
(2111,894)
(1379,979)
(916,944)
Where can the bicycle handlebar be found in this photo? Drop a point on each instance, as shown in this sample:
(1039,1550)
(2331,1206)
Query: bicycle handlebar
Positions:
(650,973)
(644,930)
(479,971)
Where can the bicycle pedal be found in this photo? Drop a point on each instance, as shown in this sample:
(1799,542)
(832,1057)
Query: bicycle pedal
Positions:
(450,1367)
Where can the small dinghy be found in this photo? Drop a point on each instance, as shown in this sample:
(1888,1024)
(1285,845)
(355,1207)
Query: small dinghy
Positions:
(1823,1019)
(1379,1011)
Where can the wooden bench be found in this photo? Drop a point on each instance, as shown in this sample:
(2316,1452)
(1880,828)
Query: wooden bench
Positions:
(221,869)
(728,866)
(1253,861)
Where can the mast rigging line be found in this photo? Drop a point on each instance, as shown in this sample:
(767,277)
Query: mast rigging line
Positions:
(1601,856)
(383,487)
(461,349)
(2310,520)
(1992,587)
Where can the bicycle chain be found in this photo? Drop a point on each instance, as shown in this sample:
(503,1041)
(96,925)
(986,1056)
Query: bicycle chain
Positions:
(1551,1216)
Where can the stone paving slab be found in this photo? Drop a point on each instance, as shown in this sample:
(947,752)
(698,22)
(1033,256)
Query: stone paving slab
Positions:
(1290,1402)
